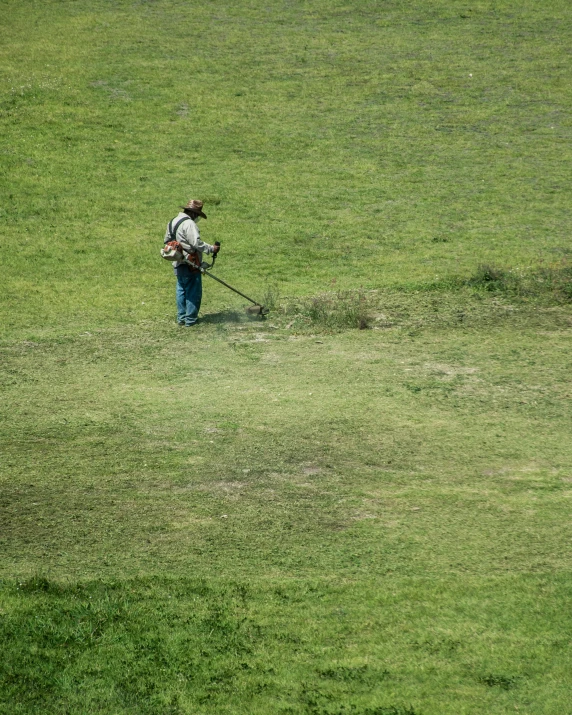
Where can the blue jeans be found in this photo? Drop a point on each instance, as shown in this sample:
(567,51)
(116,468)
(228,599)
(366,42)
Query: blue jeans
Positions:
(189,294)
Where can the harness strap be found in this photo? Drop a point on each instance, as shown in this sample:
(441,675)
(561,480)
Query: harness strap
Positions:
(173,231)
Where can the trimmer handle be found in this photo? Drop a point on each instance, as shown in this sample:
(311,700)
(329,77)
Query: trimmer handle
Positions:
(216,243)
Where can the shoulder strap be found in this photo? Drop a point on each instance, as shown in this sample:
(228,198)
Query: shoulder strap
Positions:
(173,230)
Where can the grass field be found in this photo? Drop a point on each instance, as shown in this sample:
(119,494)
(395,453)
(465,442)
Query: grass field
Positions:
(292,515)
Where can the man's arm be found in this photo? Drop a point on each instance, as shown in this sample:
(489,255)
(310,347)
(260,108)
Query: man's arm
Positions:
(193,238)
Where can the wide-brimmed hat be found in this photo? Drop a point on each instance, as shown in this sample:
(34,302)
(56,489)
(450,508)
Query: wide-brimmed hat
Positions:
(195,205)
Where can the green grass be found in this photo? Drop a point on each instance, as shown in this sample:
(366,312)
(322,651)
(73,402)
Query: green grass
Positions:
(162,646)
(293,515)
(329,141)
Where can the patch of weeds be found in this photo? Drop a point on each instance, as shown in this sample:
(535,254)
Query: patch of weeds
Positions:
(489,277)
(38,584)
(271,298)
(334,311)
(492,680)
(553,280)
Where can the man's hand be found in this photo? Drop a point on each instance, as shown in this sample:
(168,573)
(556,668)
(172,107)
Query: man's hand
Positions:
(216,248)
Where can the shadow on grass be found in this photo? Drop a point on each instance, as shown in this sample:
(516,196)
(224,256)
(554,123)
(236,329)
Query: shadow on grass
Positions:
(224,316)
(230,316)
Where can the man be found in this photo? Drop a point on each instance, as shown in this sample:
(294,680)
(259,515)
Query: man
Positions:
(189,277)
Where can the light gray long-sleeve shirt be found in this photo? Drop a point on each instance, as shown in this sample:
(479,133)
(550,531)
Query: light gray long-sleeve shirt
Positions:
(188,233)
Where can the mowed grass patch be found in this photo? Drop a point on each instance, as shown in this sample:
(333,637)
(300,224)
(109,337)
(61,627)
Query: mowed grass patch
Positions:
(269,521)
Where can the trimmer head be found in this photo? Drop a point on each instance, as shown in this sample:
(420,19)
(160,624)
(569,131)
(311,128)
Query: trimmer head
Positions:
(257,310)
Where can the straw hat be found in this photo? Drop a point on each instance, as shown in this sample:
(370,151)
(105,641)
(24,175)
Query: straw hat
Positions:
(196,206)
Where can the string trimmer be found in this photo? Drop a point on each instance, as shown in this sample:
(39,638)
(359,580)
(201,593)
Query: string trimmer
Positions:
(255,309)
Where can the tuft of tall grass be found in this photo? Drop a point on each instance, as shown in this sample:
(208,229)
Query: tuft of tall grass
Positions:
(552,280)
(334,311)
(271,298)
